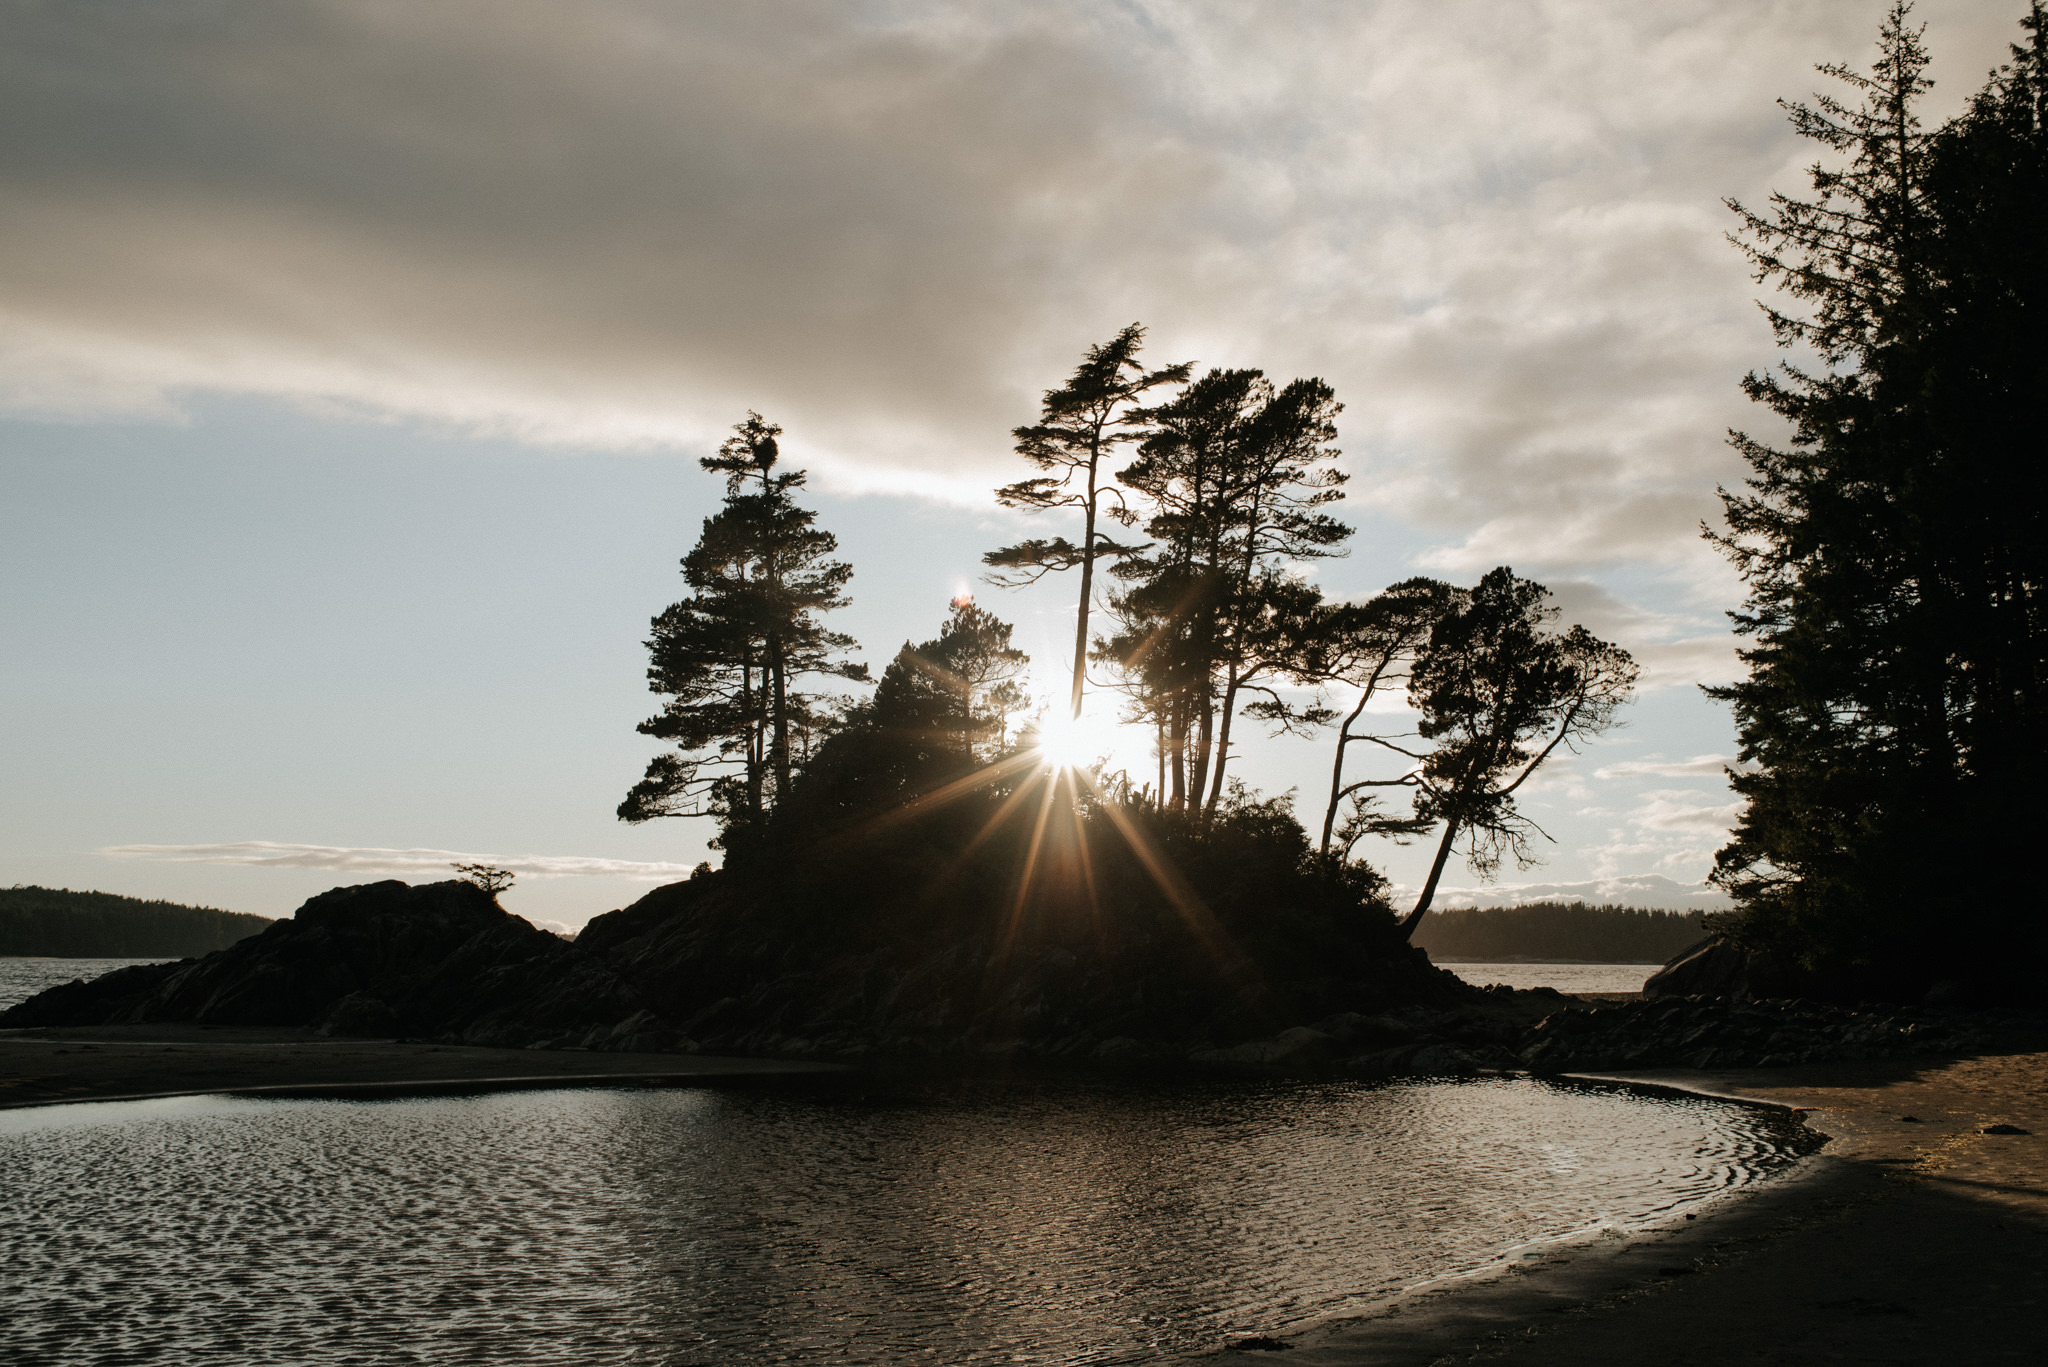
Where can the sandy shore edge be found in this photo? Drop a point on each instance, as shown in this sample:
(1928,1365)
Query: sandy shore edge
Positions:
(1912,1235)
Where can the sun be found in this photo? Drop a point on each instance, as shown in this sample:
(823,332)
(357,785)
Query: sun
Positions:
(1070,743)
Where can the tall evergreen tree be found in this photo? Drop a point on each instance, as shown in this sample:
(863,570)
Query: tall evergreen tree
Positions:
(1079,425)
(1893,546)
(1235,475)
(728,657)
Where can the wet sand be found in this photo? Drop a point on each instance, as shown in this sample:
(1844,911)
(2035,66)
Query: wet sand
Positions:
(125,1062)
(1901,1242)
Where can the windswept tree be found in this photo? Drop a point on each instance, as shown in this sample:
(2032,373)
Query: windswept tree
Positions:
(730,656)
(1235,477)
(1895,547)
(1079,425)
(1499,693)
(1367,646)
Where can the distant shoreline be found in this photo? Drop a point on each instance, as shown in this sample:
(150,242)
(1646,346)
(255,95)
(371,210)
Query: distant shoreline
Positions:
(1442,959)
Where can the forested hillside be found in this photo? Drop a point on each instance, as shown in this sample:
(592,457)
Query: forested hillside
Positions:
(1559,930)
(91,925)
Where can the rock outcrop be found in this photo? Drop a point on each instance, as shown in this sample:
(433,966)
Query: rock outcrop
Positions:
(1708,1032)
(380,958)
(708,966)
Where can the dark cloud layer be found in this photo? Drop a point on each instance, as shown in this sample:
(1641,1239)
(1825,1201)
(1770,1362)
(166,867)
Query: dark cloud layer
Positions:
(1496,228)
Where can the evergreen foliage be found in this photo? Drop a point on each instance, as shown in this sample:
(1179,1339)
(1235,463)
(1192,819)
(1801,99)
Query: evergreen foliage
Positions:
(729,657)
(59,923)
(1568,931)
(1235,476)
(1893,545)
(1079,425)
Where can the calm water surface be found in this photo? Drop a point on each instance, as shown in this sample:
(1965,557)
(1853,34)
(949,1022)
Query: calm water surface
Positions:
(21,979)
(1563,977)
(1055,1222)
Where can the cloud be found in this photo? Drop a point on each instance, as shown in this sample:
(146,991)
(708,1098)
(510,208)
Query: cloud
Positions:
(889,224)
(365,859)
(1699,766)
(1668,829)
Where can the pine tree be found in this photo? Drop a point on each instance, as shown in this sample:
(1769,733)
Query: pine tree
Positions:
(1079,425)
(728,656)
(1893,547)
(1235,476)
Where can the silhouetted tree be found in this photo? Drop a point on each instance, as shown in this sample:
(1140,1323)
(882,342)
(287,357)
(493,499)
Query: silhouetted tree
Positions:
(1366,646)
(1235,476)
(1080,423)
(1499,693)
(727,656)
(972,664)
(1894,548)
(489,877)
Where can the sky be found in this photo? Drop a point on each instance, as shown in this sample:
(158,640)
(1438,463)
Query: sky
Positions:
(356,358)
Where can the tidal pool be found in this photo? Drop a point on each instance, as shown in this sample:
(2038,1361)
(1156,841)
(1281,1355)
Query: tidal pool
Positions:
(1046,1222)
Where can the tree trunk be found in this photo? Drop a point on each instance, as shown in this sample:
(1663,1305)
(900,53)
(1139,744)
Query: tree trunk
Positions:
(1436,871)
(1337,771)
(1180,755)
(1087,579)
(1223,742)
(1159,734)
(780,702)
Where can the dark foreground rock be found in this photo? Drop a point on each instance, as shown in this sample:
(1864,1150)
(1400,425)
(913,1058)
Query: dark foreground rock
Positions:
(1720,1033)
(377,959)
(710,967)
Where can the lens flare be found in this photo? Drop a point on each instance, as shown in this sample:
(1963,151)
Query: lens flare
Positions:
(1070,743)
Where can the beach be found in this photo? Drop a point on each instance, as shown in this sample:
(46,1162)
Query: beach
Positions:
(1901,1241)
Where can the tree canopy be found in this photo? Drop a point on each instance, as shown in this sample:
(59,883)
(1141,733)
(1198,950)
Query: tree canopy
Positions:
(728,657)
(1893,543)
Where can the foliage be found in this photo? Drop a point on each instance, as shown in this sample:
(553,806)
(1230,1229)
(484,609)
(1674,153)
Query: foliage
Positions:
(1235,476)
(60,923)
(1893,546)
(1559,930)
(1366,646)
(1079,424)
(1498,693)
(489,877)
(727,657)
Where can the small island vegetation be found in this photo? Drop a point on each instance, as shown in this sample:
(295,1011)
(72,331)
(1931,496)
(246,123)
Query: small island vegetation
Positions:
(58,923)
(1563,932)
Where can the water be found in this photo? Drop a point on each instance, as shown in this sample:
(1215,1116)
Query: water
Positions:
(1056,1222)
(1563,977)
(21,979)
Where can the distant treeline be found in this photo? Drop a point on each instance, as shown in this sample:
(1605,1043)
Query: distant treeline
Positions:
(62,924)
(1559,930)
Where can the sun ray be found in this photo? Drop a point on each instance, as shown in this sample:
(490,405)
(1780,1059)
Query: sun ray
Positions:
(1202,922)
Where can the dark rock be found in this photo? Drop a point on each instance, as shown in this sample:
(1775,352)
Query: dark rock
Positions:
(2003,1129)
(380,958)
(361,1014)
(1296,1050)
(1260,1343)
(1713,969)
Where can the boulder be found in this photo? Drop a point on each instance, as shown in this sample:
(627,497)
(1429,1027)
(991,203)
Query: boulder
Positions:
(377,958)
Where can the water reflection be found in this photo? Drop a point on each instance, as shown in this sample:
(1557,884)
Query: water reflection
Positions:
(1051,1223)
